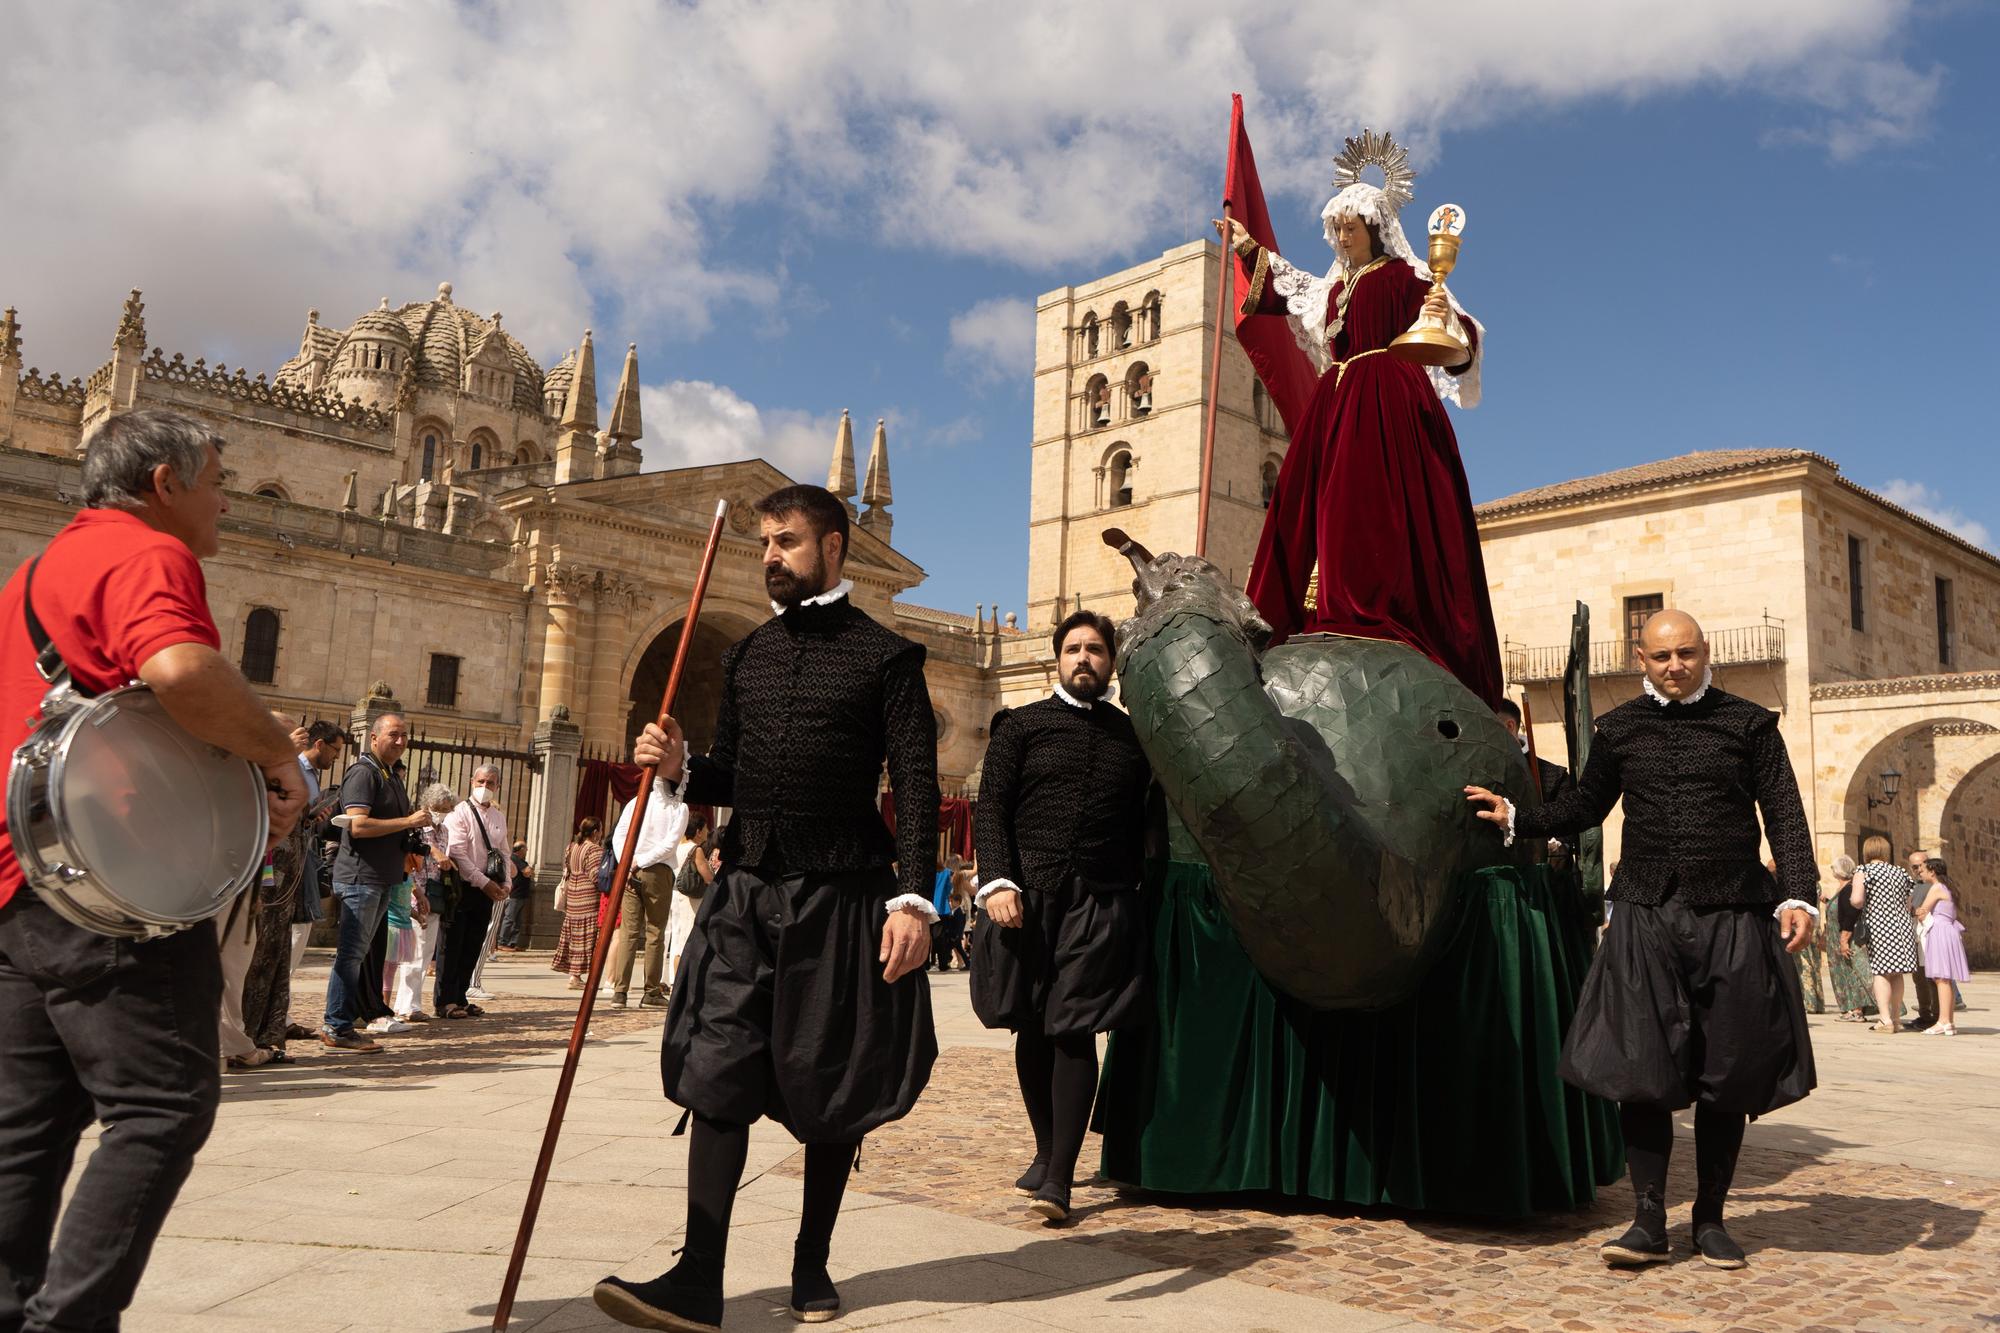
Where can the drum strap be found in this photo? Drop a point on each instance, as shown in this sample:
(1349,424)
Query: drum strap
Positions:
(48,658)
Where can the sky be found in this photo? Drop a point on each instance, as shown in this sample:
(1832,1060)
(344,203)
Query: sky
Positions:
(1693,224)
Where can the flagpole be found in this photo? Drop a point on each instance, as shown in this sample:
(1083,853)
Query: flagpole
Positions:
(1222,286)
(540,1179)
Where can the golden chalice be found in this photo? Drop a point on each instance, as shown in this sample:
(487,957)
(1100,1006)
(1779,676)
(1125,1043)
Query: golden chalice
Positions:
(1432,341)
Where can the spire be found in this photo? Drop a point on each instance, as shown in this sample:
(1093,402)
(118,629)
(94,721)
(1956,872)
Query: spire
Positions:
(350,499)
(625,426)
(580,412)
(10,339)
(840,473)
(875,491)
(132,324)
(306,338)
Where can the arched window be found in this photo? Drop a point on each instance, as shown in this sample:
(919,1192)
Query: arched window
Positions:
(260,646)
(1096,403)
(430,458)
(1139,388)
(475,457)
(1149,310)
(1267,481)
(271,491)
(1121,325)
(1089,334)
(526,452)
(1118,480)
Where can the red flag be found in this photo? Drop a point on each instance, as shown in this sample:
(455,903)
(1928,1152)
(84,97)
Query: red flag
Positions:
(1281,363)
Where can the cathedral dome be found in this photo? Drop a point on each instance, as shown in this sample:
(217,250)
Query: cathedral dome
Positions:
(439,338)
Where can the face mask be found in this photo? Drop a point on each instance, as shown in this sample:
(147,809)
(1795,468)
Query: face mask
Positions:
(483,795)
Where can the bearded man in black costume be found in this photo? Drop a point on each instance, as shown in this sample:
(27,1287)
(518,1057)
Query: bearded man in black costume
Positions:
(1061,830)
(1691,1000)
(801,994)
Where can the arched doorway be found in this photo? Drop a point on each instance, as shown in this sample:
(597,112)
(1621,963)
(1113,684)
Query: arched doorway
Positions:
(701,686)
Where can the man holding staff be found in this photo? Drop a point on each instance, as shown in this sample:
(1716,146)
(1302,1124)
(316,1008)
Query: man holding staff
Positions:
(801,995)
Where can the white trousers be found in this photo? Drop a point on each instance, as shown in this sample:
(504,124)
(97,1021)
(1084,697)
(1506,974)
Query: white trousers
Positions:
(680,922)
(406,988)
(238,938)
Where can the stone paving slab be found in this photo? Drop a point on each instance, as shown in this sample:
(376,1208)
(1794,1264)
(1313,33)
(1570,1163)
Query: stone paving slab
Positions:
(382,1193)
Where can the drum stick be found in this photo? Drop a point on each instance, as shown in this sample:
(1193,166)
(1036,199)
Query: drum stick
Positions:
(539,1181)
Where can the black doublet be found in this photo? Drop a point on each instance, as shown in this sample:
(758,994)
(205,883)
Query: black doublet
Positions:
(1693,777)
(813,702)
(779,1008)
(1691,999)
(1062,816)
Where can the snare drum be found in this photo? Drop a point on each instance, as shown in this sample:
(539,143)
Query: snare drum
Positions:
(124,823)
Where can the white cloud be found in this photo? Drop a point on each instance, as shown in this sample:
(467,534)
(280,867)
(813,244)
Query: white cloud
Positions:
(573,164)
(693,422)
(994,341)
(1926,502)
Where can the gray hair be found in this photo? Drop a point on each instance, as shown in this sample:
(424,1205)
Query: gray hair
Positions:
(435,795)
(122,451)
(494,769)
(1843,866)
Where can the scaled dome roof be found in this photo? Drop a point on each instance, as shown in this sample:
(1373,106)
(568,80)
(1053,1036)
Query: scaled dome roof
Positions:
(441,336)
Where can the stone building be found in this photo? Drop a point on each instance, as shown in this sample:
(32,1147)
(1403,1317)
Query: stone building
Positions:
(1875,633)
(421,505)
(422,513)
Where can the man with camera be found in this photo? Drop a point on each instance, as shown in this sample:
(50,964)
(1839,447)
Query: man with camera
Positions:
(380,823)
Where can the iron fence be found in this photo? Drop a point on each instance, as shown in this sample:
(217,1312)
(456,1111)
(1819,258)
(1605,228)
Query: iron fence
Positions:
(452,760)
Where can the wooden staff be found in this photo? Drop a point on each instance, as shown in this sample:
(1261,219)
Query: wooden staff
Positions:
(1528,730)
(1214,386)
(540,1179)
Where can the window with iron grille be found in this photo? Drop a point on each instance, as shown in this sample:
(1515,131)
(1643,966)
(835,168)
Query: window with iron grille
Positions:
(1638,610)
(1857,564)
(260,645)
(442,691)
(1944,621)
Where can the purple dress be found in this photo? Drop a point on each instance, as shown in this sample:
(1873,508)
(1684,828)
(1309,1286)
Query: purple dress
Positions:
(1944,942)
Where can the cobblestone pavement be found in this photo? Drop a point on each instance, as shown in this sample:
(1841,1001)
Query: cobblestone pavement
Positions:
(382,1192)
(1833,1245)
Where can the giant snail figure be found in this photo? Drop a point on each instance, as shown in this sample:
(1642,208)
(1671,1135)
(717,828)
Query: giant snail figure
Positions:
(1322,781)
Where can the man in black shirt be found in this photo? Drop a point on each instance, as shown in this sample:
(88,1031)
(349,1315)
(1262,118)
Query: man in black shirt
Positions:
(1061,830)
(369,864)
(1692,1000)
(1551,779)
(801,994)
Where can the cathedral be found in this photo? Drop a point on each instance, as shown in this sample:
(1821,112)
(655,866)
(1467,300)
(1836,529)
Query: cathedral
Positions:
(422,514)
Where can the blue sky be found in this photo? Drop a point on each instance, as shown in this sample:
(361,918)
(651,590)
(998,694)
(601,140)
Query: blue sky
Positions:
(1691,227)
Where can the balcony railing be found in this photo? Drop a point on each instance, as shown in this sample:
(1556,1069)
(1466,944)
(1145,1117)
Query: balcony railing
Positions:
(1741,646)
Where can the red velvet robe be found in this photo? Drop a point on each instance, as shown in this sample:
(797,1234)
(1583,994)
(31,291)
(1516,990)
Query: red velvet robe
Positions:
(1373,489)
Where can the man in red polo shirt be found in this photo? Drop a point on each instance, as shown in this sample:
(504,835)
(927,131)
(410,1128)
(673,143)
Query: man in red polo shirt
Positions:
(93,1027)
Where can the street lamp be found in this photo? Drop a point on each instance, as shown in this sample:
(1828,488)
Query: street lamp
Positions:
(1892,782)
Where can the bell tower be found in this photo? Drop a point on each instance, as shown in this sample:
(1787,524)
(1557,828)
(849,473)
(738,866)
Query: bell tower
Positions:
(1121,384)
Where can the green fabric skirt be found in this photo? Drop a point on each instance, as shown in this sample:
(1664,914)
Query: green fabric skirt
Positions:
(1447,1103)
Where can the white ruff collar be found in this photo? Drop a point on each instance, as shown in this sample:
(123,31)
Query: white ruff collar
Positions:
(1085,704)
(1707,679)
(831,595)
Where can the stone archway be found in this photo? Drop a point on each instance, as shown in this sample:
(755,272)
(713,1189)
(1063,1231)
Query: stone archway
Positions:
(701,685)
(1969,841)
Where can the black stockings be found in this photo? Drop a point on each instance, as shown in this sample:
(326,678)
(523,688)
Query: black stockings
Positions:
(1649,1145)
(717,1150)
(1058,1082)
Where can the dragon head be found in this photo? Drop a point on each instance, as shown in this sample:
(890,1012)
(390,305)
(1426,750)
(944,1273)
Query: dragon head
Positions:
(1170,586)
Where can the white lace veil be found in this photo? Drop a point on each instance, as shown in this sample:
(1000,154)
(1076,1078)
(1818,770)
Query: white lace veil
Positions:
(1309,309)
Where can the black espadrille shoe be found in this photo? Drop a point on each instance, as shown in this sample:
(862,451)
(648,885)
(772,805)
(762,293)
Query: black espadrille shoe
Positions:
(1716,1247)
(1031,1179)
(1051,1201)
(668,1301)
(1636,1247)
(814,1297)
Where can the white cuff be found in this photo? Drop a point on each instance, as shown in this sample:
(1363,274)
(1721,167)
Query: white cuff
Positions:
(990,887)
(677,791)
(912,900)
(1510,823)
(1789,904)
